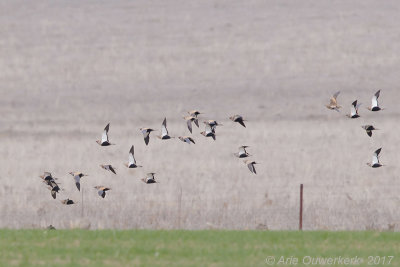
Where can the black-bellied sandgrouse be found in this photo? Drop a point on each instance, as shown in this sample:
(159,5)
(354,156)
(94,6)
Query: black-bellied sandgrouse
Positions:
(186,139)
(368,129)
(250,164)
(242,152)
(146,134)
(77,177)
(149,179)
(374,102)
(354,110)
(108,167)
(131,160)
(239,119)
(195,113)
(104,137)
(164,132)
(101,190)
(333,102)
(189,120)
(375,159)
(209,131)
(68,201)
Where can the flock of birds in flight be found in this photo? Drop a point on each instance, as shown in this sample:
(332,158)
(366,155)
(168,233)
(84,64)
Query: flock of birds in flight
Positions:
(333,105)
(210,131)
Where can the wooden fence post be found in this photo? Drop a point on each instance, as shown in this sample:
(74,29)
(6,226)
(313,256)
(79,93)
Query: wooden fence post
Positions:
(301,208)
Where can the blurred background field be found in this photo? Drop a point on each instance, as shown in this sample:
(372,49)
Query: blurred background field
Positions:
(193,248)
(67,68)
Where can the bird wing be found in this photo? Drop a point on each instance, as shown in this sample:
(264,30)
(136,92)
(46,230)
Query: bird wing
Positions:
(77,179)
(196,121)
(111,169)
(377,94)
(242,150)
(375,100)
(189,125)
(333,102)
(164,130)
(53,194)
(131,157)
(146,139)
(242,123)
(104,136)
(251,167)
(335,95)
(375,157)
(78,182)
(208,129)
(353,110)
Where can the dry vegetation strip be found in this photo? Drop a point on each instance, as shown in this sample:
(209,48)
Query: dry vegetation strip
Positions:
(186,248)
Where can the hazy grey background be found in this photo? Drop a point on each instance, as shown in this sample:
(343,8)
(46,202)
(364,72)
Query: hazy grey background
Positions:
(67,68)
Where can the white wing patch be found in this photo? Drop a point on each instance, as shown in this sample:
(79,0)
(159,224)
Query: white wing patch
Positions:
(208,129)
(164,130)
(104,137)
(375,159)
(131,159)
(374,102)
(353,111)
(242,151)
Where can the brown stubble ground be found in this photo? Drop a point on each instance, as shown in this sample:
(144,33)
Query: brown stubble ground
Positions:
(69,68)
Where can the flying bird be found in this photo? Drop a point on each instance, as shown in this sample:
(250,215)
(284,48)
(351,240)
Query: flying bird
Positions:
(132,161)
(53,187)
(213,124)
(239,119)
(354,110)
(186,139)
(50,181)
(209,131)
(104,137)
(108,167)
(164,132)
(333,103)
(375,159)
(189,120)
(369,129)
(195,113)
(68,201)
(47,177)
(77,177)
(149,178)
(102,190)
(146,134)
(374,104)
(242,152)
(250,164)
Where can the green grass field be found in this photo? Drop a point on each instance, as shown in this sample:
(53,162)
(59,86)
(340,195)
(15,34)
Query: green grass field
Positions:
(193,248)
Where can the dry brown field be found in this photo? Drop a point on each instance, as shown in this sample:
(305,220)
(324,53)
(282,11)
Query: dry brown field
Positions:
(67,68)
